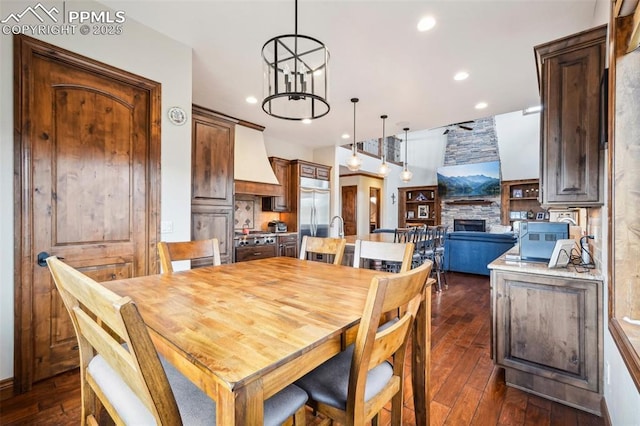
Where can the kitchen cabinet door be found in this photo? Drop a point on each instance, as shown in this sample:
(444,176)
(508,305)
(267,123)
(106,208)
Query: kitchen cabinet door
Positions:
(548,335)
(570,72)
(212,159)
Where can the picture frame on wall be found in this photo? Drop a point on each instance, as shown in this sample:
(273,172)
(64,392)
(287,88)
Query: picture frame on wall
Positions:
(410,214)
(517,193)
(423,211)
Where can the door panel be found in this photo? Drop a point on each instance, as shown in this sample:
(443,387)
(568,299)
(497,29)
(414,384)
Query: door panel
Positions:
(90,154)
(350,209)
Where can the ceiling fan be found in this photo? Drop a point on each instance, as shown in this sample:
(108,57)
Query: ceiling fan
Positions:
(456,126)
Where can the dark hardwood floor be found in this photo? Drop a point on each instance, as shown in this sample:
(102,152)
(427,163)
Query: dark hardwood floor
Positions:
(466,388)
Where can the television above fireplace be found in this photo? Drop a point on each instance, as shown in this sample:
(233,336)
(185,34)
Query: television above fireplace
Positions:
(469,180)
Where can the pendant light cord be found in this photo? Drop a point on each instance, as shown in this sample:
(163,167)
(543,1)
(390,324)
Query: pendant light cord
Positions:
(384,154)
(406,143)
(355,148)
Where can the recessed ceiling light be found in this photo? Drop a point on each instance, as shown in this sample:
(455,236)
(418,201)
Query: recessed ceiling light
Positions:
(345,136)
(461,75)
(251,100)
(306,120)
(426,23)
(481,105)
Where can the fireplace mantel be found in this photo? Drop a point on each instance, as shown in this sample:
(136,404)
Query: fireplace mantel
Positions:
(470,202)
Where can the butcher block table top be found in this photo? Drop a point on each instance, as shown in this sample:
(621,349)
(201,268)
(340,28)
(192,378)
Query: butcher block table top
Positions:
(244,331)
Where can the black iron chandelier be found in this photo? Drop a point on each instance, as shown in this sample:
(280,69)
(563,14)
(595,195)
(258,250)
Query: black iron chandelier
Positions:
(295,76)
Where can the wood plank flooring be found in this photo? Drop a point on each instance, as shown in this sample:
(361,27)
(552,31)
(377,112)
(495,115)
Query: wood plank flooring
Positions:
(466,388)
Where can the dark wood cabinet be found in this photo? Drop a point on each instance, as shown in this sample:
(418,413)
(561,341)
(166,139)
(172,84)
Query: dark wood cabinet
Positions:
(519,200)
(314,171)
(418,205)
(547,334)
(280,168)
(570,71)
(212,179)
(288,245)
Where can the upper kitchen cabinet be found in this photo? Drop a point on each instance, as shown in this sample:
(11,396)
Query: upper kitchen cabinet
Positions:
(212,158)
(314,171)
(570,71)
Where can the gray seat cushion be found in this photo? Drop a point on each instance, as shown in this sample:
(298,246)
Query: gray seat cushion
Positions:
(329,382)
(283,405)
(195,407)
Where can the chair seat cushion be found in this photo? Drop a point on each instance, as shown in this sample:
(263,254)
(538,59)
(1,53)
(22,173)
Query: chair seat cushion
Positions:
(283,405)
(195,407)
(329,382)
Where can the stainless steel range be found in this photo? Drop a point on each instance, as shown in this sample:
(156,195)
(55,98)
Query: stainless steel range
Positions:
(255,245)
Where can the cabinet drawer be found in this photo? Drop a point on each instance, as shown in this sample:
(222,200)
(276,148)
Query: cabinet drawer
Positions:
(284,239)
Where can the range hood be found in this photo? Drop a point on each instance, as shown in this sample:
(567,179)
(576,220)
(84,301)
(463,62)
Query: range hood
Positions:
(252,171)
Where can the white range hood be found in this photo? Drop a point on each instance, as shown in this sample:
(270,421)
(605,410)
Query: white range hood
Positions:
(252,171)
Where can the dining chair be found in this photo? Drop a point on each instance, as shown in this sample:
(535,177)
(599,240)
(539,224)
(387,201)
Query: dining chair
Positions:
(430,247)
(196,251)
(393,257)
(440,235)
(403,235)
(353,386)
(121,371)
(325,246)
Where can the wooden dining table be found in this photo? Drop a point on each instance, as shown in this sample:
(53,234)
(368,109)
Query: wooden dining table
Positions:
(241,332)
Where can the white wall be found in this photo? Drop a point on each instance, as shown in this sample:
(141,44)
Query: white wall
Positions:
(141,51)
(519,145)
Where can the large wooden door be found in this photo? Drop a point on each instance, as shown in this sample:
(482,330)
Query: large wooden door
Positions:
(350,209)
(88,190)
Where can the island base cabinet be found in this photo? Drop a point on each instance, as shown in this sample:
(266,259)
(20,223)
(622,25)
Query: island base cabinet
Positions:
(547,334)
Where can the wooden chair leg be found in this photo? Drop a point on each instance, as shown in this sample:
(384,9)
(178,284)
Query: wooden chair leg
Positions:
(299,418)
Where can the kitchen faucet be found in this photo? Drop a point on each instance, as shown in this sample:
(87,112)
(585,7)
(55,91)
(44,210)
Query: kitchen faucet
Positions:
(341,228)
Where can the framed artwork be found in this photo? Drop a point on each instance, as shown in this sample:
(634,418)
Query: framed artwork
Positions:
(423,211)
(517,193)
(410,214)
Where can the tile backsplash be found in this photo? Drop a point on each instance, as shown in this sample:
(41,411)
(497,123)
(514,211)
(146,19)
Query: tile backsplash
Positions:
(248,211)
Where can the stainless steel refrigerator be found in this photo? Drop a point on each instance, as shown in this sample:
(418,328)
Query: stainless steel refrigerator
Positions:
(315,198)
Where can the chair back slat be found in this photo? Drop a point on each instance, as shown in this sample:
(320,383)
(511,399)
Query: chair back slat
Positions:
(383,251)
(188,250)
(323,245)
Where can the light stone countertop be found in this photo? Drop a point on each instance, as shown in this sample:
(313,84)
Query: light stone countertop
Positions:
(510,262)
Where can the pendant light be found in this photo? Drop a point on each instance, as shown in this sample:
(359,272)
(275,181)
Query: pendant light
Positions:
(384,169)
(406,174)
(295,76)
(354,162)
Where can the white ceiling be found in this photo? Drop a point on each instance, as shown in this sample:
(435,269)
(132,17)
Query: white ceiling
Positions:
(377,55)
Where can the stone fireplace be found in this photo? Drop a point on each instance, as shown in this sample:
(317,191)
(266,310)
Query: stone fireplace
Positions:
(465,147)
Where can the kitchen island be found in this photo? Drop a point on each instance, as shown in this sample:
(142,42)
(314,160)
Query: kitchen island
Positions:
(547,330)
